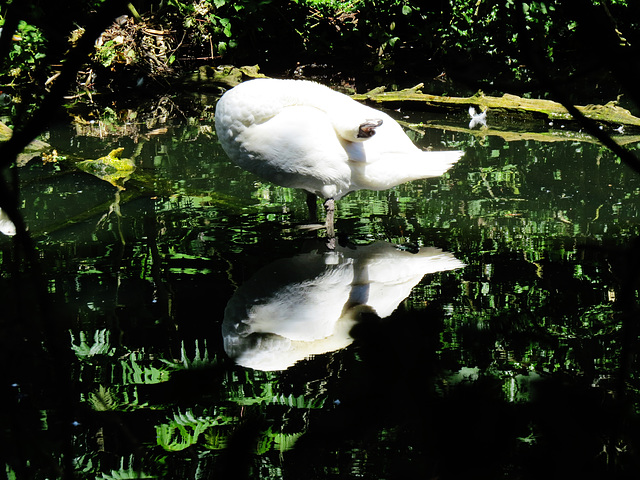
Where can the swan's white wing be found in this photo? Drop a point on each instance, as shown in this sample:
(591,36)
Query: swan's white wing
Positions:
(295,134)
(296,148)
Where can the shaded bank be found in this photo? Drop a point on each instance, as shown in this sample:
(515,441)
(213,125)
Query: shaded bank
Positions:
(588,48)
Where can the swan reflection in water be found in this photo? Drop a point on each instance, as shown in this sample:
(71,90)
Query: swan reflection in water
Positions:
(306,305)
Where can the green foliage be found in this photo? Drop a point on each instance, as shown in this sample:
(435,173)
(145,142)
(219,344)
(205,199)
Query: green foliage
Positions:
(115,51)
(199,360)
(26,57)
(127,471)
(111,168)
(474,40)
(209,22)
(101,344)
(184,429)
(397,35)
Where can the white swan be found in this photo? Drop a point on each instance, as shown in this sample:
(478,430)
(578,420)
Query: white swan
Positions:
(301,134)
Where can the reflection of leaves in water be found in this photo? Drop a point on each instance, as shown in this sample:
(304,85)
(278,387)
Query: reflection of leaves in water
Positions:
(530,301)
(277,440)
(135,367)
(88,465)
(137,370)
(101,344)
(199,359)
(126,472)
(183,430)
(102,400)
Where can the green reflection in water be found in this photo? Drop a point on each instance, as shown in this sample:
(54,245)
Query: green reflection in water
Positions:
(529,332)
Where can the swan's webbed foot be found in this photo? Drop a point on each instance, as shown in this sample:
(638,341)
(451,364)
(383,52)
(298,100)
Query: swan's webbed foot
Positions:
(368,128)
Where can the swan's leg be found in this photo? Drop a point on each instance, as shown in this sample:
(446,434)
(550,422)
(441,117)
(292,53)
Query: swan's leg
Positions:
(329,206)
(368,128)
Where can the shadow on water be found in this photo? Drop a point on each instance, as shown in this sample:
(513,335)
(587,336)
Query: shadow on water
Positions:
(466,326)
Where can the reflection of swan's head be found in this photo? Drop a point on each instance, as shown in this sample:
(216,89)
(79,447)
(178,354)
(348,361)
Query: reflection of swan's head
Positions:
(6,225)
(307,305)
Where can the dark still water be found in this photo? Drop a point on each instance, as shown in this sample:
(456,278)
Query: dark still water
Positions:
(477,325)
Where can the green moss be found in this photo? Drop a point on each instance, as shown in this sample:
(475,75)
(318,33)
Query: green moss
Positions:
(111,168)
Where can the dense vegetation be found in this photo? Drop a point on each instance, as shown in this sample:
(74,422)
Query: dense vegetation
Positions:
(494,45)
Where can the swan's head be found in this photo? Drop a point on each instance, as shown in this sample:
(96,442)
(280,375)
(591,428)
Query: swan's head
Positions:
(354,129)
(368,128)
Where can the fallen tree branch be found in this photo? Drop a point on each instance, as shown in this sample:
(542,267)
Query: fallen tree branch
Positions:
(610,114)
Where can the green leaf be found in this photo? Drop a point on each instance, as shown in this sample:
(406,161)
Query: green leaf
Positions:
(226,24)
(406,10)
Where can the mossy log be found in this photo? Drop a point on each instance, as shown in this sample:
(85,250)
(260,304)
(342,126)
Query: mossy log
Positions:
(224,75)
(111,168)
(413,98)
(547,136)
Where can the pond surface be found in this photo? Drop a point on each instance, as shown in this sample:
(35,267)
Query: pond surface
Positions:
(476,325)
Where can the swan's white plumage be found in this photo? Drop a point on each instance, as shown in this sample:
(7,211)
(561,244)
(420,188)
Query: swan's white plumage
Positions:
(304,135)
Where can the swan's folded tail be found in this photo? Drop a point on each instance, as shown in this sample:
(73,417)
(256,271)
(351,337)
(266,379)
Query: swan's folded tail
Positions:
(436,163)
(396,168)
